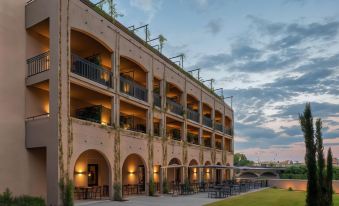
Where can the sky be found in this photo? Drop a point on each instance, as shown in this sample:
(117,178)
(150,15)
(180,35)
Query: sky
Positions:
(271,56)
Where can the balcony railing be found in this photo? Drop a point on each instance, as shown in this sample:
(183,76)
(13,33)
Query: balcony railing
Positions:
(175,134)
(91,71)
(229,131)
(96,113)
(133,89)
(218,145)
(207,121)
(132,123)
(38,64)
(207,142)
(174,107)
(192,138)
(193,115)
(218,126)
(157,99)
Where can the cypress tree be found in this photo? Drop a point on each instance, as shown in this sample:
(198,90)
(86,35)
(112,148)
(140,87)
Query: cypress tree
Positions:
(329,178)
(306,122)
(321,163)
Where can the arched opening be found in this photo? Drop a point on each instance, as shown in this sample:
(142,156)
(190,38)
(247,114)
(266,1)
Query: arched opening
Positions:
(91,59)
(218,121)
(207,115)
(248,175)
(218,178)
(91,176)
(174,99)
(228,126)
(208,172)
(133,79)
(174,172)
(134,175)
(268,175)
(193,108)
(193,174)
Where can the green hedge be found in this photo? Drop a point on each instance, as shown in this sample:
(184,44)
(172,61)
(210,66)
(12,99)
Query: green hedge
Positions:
(6,199)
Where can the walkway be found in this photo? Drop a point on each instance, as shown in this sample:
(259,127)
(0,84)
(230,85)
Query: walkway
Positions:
(166,200)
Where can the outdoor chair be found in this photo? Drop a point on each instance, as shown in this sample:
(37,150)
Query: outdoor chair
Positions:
(79,193)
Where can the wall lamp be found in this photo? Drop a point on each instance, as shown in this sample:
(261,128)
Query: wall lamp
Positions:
(79,172)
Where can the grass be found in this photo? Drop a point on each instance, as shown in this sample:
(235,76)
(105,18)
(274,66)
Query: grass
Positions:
(269,197)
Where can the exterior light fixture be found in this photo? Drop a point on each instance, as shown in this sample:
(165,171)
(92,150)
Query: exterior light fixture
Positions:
(79,172)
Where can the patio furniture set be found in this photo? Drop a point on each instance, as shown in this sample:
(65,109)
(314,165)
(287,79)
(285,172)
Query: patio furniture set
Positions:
(95,192)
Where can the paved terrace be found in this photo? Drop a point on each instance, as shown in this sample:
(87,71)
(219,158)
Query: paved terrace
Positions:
(165,200)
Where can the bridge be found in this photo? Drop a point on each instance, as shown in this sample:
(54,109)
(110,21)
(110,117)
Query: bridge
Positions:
(258,172)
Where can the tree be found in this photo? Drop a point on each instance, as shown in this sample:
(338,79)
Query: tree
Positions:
(112,8)
(162,40)
(321,162)
(306,122)
(241,160)
(329,178)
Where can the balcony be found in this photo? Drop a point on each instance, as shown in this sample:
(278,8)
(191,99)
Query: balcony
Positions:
(133,89)
(175,134)
(132,123)
(207,142)
(229,131)
(192,138)
(193,115)
(218,145)
(218,126)
(91,71)
(96,113)
(156,99)
(174,107)
(207,121)
(38,64)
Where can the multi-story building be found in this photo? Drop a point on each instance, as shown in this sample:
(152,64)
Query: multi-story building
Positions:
(84,98)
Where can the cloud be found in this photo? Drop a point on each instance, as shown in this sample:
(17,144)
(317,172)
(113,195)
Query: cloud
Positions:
(149,7)
(214,26)
(294,151)
(146,5)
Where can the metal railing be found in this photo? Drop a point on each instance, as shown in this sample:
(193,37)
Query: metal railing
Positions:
(156,99)
(174,107)
(207,121)
(193,115)
(96,113)
(133,123)
(133,89)
(192,138)
(36,117)
(229,131)
(91,71)
(218,126)
(38,64)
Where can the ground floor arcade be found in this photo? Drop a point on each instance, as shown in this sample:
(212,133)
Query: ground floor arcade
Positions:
(93,175)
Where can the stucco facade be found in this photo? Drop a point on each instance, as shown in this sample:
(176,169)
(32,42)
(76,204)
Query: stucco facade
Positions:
(78,90)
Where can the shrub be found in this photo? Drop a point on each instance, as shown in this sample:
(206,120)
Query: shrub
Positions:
(151,187)
(6,199)
(165,186)
(28,201)
(117,192)
(290,189)
(66,192)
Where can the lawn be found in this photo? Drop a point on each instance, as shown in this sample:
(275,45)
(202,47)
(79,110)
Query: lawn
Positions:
(269,197)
